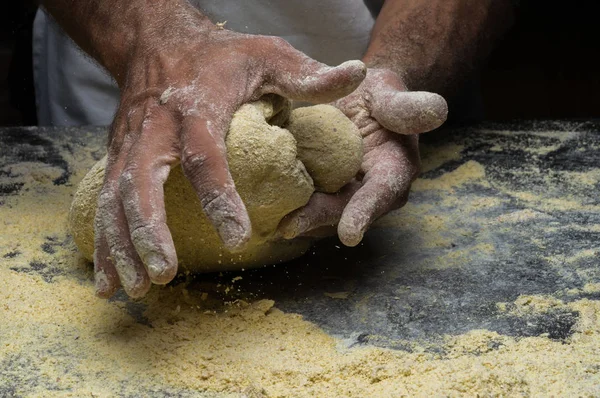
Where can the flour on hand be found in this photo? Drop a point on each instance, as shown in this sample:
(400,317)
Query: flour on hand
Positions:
(276,169)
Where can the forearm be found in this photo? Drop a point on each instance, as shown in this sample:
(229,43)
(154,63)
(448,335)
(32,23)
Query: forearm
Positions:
(110,30)
(435,44)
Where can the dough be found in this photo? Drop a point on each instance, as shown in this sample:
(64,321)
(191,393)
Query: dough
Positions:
(267,163)
(324,145)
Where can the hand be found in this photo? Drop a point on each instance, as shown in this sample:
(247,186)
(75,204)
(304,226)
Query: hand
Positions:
(389,118)
(182,85)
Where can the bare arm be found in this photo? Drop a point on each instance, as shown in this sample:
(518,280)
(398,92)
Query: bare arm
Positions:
(435,44)
(111,31)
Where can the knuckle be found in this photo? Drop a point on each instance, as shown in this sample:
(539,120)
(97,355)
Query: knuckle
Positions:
(193,164)
(278,43)
(106,198)
(387,74)
(98,229)
(213,199)
(127,178)
(142,234)
(204,163)
(127,182)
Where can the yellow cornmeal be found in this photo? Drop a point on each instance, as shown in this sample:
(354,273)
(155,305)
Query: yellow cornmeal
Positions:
(466,172)
(58,339)
(257,348)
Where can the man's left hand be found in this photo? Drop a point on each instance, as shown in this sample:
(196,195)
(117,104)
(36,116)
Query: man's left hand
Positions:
(389,118)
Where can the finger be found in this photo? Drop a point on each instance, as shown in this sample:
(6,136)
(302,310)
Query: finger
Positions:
(110,218)
(322,210)
(141,190)
(410,112)
(204,163)
(298,77)
(106,278)
(113,223)
(383,186)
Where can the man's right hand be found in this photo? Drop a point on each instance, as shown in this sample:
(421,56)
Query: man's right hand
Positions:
(181,83)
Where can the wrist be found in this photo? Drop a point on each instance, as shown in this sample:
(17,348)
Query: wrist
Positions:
(156,27)
(417,74)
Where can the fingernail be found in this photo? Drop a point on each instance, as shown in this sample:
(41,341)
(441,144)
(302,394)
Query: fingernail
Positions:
(294,227)
(349,233)
(360,67)
(100,283)
(234,235)
(157,267)
(351,239)
(137,290)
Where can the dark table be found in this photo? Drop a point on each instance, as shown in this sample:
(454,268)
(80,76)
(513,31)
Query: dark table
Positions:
(500,211)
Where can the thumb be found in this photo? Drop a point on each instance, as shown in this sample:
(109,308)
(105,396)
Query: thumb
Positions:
(409,112)
(301,78)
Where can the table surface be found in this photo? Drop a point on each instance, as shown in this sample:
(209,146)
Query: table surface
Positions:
(500,211)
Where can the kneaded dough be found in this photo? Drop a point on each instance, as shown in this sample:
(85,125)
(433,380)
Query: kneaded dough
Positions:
(267,163)
(320,131)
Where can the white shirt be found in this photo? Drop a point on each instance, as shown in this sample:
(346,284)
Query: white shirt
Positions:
(71,89)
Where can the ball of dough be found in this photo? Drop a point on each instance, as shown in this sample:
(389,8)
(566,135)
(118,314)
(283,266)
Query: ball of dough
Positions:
(268,174)
(329,145)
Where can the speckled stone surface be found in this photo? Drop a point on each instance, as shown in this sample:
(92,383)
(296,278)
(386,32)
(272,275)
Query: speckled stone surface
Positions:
(500,211)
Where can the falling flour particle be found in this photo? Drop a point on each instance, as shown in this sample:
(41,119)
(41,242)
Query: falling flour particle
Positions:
(269,166)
